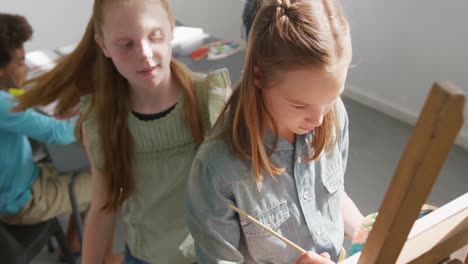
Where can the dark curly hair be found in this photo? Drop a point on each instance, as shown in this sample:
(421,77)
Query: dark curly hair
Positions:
(14,31)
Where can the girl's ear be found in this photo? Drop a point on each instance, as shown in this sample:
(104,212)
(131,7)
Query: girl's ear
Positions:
(101,44)
(257,77)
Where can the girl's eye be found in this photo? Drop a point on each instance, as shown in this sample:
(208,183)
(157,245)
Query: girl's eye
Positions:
(157,35)
(299,106)
(125,44)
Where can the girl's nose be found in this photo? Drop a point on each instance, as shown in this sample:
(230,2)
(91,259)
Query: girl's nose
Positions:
(315,120)
(146,52)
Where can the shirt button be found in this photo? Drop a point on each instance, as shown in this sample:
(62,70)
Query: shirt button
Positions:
(299,160)
(317,232)
(307,195)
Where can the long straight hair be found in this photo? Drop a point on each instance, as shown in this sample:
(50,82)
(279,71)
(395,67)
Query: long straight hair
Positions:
(285,35)
(86,71)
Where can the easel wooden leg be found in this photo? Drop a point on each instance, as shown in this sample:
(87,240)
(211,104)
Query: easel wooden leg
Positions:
(427,149)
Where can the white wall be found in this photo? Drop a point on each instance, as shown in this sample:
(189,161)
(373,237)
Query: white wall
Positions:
(60,22)
(56,23)
(400,47)
(220,18)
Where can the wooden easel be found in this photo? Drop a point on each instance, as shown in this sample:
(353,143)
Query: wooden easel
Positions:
(439,122)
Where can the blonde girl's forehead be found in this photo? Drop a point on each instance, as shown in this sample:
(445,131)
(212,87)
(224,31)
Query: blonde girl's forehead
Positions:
(143,4)
(120,17)
(318,85)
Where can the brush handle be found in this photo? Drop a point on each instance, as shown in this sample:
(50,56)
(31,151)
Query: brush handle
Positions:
(282,238)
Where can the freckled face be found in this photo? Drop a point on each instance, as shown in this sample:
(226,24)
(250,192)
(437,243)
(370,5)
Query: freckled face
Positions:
(301,98)
(137,37)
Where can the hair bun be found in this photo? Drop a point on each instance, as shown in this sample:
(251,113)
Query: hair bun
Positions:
(283,3)
(282,7)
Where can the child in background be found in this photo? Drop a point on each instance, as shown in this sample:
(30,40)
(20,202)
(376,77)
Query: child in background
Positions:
(248,15)
(143,116)
(29,192)
(279,149)
(14,31)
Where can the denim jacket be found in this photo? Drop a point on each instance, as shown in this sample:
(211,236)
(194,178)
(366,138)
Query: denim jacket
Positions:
(302,204)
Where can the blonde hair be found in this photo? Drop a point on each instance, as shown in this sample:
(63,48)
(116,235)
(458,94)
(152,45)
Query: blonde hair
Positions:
(87,71)
(285,35)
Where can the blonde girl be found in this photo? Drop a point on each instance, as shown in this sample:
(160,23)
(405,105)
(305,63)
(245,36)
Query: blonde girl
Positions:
(143,115)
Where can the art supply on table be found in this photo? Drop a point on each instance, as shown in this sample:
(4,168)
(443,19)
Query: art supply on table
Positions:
(222,49)
(216,50)
(15,91)
(282,238)
(199,53)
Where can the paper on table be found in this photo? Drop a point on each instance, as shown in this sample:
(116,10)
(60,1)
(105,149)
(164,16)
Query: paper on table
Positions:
(40,61)
(65,50)
(186,40)
(40,58)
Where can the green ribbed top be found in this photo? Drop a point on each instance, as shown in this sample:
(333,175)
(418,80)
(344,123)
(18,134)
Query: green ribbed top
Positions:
(164,149)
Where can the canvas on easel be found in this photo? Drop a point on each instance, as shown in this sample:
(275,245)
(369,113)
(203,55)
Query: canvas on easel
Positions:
(434,134)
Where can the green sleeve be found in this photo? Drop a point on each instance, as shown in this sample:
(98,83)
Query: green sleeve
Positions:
(213,92)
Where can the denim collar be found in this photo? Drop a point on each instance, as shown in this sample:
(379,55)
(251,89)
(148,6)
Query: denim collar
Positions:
(283,144)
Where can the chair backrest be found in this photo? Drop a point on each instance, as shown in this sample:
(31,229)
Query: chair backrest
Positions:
(10,248)
(68,159)
(19,244)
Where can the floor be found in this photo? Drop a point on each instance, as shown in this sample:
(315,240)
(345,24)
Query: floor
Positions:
(376,144)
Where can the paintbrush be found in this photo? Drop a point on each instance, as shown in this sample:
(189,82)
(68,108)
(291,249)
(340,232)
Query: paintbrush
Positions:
(282,238)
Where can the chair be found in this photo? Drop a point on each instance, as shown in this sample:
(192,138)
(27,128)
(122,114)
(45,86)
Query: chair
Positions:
(71,160)
(19,244)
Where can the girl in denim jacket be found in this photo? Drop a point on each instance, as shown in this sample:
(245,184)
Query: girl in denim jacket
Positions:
(279,149)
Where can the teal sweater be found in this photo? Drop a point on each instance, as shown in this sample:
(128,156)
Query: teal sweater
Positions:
(18,171)
(164,150)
